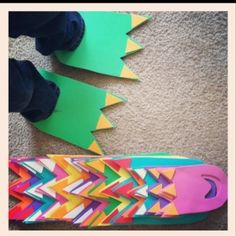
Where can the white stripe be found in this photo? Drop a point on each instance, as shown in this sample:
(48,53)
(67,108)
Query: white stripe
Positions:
(143,191)
(34,165)
(33,217)
(141,172)
(81,188)
(72,214)
(29,168)
(69,188)
(141,210)
(69,160)
(84,216)
(48,163)
(33,191)
(49,190)
(80,166)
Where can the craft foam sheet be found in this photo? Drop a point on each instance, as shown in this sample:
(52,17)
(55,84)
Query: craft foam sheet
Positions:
(113,190)
(105,43)
(78,112)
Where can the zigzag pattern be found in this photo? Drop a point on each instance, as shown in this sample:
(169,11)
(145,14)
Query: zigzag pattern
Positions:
(90,192)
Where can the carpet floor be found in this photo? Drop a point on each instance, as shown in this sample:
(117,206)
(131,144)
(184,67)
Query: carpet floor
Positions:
(179,105)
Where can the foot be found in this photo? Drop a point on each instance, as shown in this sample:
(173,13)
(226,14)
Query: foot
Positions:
(44,108)
(76,27)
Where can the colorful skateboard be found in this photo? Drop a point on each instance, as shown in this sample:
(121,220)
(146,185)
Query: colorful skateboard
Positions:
(113,190)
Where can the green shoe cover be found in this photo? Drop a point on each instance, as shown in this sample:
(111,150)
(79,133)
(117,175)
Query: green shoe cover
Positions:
(104,43)
(78,112)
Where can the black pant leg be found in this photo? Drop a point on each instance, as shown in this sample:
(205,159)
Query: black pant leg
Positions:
(51,30)
(29,93)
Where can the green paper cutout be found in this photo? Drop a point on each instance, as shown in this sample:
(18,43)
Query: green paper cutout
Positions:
(104,43)
(77,112)
(182,219)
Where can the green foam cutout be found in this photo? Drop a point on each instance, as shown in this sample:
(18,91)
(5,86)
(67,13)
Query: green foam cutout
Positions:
(104,43)
(77,112)
(183,219)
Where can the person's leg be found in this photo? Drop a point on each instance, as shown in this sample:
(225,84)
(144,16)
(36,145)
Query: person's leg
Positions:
(29,93)
(52,30)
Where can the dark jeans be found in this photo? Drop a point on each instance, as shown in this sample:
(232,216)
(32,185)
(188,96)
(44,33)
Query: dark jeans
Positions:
(29,93)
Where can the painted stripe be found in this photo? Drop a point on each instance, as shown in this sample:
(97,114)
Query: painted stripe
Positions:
(78,190)
(69,188)
(84,216)
(72,214)
(48,163)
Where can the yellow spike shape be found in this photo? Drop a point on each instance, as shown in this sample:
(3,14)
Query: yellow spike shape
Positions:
(170,189)
(168,192)
(128,74)
(154,172)
(168,173)
(111,99)
(170,210)
(156,189)
(132,47)
(155,208)
(94,147)
(137,20)
(103,123)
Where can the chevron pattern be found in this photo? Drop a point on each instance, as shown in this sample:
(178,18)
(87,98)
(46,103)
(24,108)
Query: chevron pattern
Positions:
(90,191)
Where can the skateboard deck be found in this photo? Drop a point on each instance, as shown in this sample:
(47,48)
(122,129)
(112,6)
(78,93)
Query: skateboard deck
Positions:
(113,190)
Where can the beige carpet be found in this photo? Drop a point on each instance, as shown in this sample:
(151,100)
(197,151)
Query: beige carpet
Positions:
(179,106)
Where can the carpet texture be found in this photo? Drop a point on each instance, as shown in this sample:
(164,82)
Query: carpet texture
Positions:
(179,105)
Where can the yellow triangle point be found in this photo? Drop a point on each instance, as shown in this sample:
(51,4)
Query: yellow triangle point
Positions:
(154,172)
(170,210)
(137,20)
(155,208)
(132,47)
(156,189)
(111,100)
(94,147)
(103,123)
(168,192)
(168,173)
(127,73)
(97,165)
